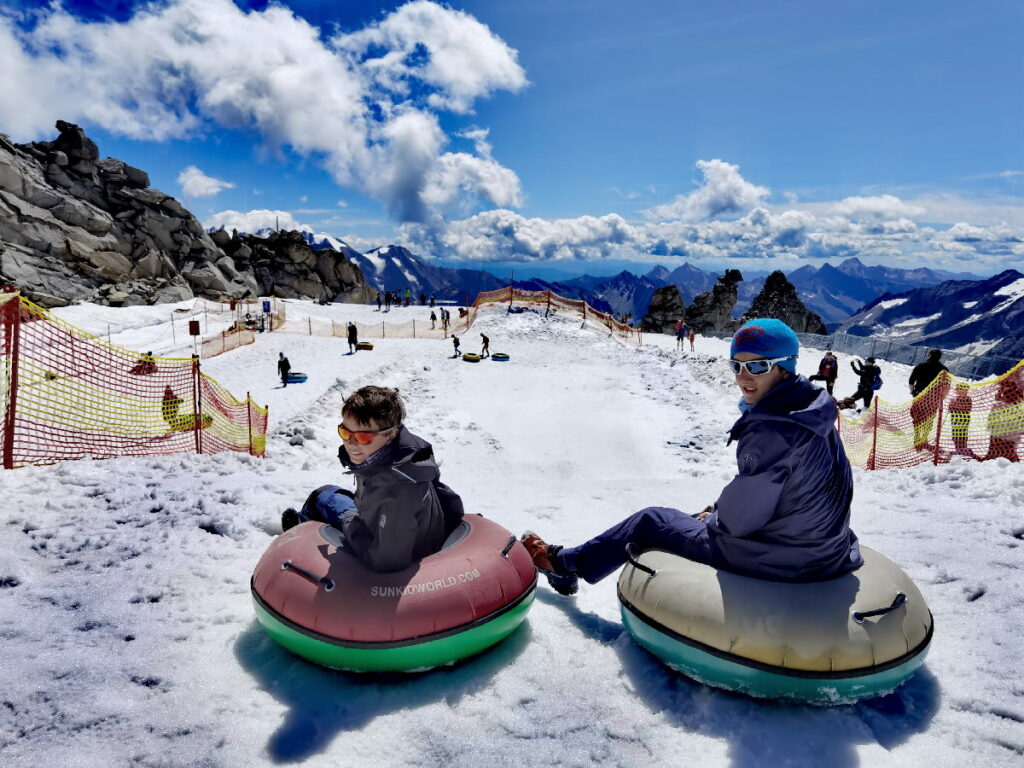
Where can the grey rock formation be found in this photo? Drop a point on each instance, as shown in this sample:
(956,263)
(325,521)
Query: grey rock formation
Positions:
(75,227)
(664,310)
(778,299)
(285,265)
(711,311)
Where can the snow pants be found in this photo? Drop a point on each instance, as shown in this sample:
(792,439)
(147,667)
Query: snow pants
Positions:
(651,528)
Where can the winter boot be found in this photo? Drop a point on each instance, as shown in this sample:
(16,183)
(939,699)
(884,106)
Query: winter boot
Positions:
(289,519)
(563,581)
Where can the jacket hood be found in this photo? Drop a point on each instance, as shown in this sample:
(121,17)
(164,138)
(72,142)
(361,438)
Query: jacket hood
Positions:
(794,400)
(408,453)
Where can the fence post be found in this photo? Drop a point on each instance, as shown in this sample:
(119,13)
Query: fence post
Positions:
(309,325)
(197,414)
(382,329)
(248,416)
(873,459)
(938,427)
(12,338)
(414,328)
(174,336)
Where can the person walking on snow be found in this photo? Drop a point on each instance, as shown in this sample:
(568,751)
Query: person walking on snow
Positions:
(353,337)
(828,371)
(283,368)
(455,343)
(433,320)
(485,350)
(785,516)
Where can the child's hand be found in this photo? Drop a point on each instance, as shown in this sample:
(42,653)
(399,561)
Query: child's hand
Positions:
(705,513)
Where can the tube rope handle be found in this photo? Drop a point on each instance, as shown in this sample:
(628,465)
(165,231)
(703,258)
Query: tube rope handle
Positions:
(508,547)
(631,557)
(288,565)
(898,601)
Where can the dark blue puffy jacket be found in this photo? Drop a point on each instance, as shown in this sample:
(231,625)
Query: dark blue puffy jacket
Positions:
(786,515)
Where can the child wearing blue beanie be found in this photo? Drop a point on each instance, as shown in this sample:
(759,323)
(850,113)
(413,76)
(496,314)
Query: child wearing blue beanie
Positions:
(767,338)
(785,516)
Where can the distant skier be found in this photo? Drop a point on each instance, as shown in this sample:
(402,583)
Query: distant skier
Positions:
(353,337)
(485,350)
(283,368)
(828,371)
(455,343)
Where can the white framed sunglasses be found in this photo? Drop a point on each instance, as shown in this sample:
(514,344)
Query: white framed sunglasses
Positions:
(757,367)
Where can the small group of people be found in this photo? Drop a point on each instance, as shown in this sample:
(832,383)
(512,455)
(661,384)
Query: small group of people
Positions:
(401,298)
(446,319)
(784,516)
(684,332)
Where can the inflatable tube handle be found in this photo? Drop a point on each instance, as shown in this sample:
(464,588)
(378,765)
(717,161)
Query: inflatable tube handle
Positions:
(508,547)
(859,616)
(631,557)
(288,565)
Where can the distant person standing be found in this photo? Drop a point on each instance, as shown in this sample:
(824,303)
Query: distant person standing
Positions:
(353,337)
(828,371)
(682,333)
(378,301)
(485,350)
(924,373)
(387,301)
(693,335)
(455,343)
(283,368)
(433,320)
(423,298)
(432,299)
(960,420)
(408,296)
(1006,420)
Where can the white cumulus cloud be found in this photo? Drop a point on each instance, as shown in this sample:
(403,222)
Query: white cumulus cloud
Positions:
(176,67)
(723,192)
(195,183)
(252,221)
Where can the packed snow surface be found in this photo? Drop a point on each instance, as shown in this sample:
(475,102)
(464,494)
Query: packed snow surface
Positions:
(128,635)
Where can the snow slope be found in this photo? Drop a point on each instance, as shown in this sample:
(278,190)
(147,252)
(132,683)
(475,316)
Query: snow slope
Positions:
(128,635)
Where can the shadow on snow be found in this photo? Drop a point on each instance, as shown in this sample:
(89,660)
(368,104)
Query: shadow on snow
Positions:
(323,703)
(762,732)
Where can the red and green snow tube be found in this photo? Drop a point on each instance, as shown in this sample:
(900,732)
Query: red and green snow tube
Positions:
(320,602)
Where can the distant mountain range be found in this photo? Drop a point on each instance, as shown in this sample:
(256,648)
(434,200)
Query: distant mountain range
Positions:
(979,317)
(916,306)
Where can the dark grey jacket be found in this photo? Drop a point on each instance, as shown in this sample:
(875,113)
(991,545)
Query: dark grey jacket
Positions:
(404,511)
(786,515)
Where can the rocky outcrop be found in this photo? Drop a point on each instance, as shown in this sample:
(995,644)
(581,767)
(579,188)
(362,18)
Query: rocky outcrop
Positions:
(778,299)
(75,227)
(711,312)
(285,265)
(665,309)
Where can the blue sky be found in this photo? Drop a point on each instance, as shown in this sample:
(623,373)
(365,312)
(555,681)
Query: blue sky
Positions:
(573,135)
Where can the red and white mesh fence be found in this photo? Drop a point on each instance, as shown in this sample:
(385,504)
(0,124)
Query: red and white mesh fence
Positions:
(66,394)
(952,417)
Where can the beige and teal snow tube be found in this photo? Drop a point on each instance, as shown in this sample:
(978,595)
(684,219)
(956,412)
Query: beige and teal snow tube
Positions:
(829,642)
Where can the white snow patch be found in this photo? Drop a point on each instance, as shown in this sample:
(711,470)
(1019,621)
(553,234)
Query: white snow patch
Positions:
(969,304)
(890,303)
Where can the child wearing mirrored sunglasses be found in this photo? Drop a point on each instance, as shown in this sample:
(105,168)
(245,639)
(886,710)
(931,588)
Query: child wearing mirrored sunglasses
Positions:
(785,516)
(400,511)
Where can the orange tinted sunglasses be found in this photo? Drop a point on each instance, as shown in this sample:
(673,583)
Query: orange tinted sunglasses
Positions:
(363,438)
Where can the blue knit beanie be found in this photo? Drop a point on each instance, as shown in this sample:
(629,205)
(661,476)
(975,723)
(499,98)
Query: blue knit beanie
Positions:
(767,337)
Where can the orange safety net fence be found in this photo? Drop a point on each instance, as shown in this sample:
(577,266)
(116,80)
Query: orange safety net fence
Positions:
(951,417)
(66,394)
(462,318)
